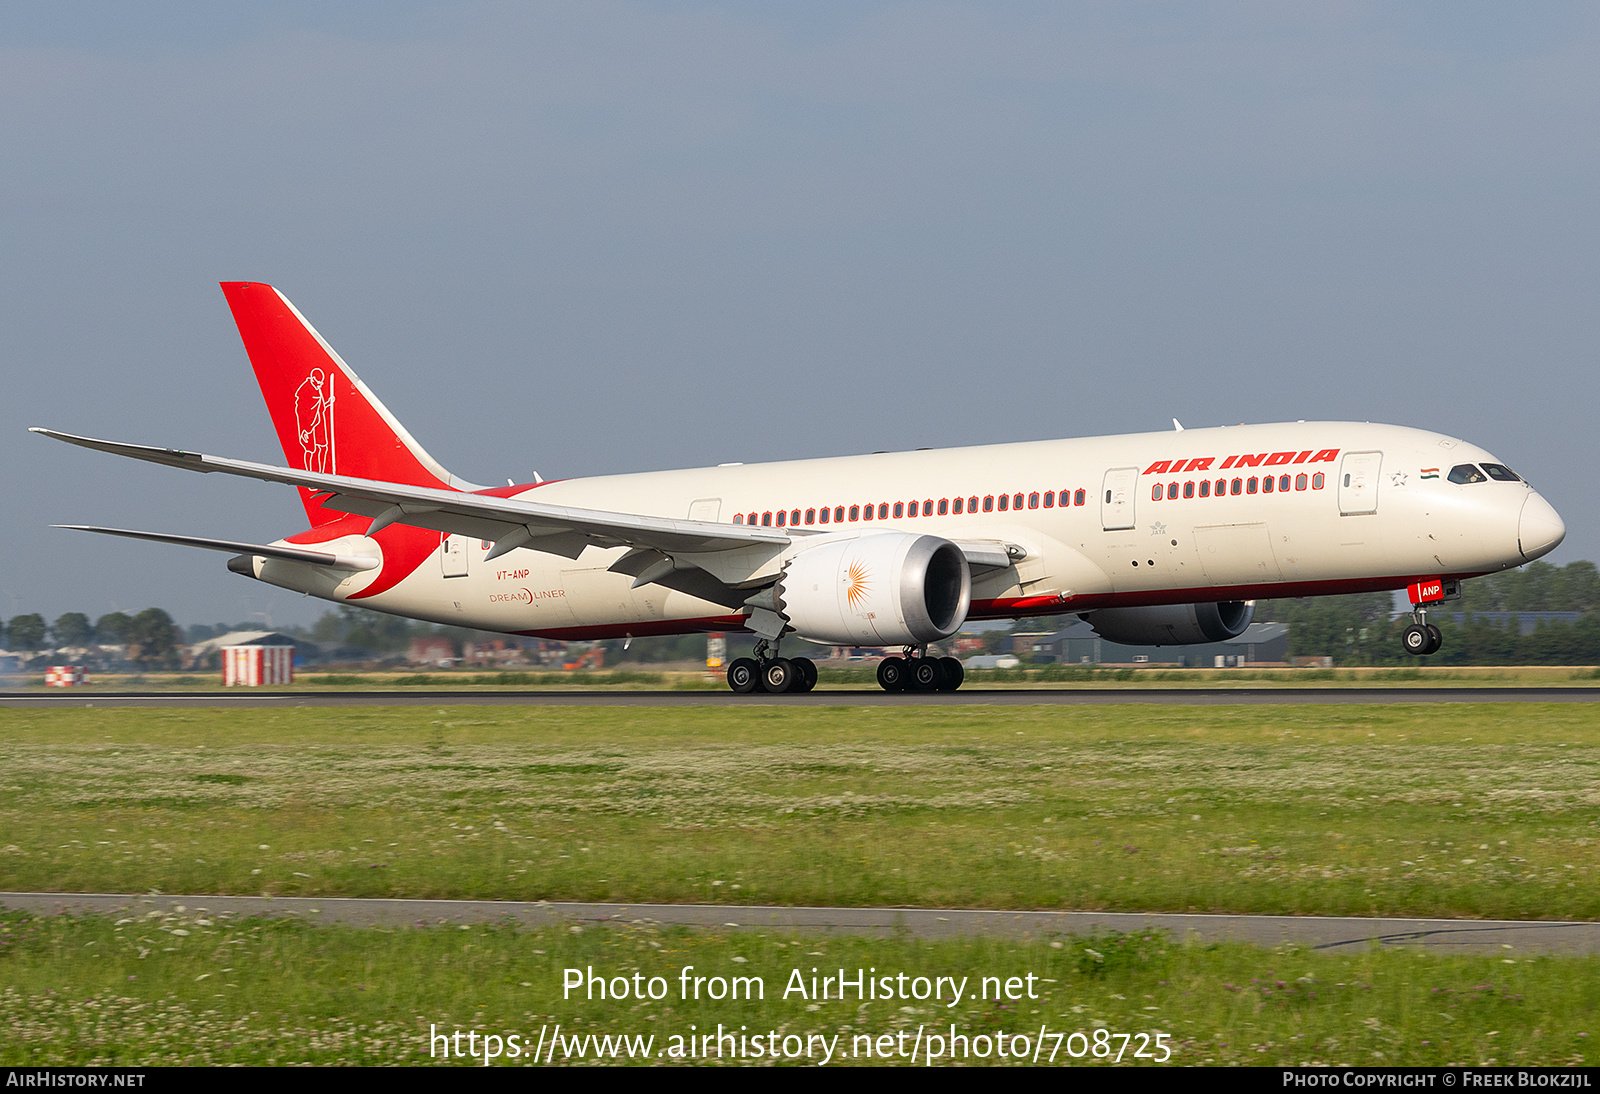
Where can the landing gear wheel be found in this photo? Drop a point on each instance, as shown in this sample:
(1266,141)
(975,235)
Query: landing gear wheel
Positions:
(778,675)
(927,674)
(1438,639)
(805,673)
(892,674)
(953,673)
(1416,640)
(743,675)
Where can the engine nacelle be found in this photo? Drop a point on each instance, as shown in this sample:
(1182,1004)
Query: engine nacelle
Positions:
(1173,624)
(892,589)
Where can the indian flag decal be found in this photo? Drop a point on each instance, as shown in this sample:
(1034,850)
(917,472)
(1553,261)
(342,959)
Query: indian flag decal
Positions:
(1430,472)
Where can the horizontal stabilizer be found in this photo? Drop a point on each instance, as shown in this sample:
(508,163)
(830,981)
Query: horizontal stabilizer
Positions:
(355,563)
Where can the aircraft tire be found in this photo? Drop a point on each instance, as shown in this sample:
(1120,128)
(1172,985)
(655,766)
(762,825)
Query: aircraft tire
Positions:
(805,674)
(1437,639)
(743,675)
(954,673)
(1416,640)
(778,675)
(927,674)
(892,674)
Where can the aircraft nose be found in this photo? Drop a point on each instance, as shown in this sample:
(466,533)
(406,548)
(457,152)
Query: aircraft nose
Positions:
(1540,529)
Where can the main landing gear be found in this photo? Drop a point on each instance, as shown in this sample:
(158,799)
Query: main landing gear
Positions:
(1421,638)
(771,673)
(916,671)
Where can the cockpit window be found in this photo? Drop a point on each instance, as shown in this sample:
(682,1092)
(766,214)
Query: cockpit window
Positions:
(1466,472)
(1499,472)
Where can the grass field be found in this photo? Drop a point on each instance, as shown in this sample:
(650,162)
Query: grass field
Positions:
(1473,809)
(196,990)
(1469,810)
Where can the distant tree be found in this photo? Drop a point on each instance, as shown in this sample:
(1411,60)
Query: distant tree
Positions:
(153,640)
(26,632)
(72,629)
(112,629)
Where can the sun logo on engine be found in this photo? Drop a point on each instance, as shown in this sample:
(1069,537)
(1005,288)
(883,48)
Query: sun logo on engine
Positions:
(856,591)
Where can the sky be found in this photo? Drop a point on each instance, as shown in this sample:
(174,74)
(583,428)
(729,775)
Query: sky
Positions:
(617,236)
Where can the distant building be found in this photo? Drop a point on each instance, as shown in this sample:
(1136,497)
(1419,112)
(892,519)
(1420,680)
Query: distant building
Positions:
(200,653)
(433,650)
(1080,645)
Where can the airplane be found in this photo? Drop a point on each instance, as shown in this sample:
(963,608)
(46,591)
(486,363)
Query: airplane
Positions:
(1161,538)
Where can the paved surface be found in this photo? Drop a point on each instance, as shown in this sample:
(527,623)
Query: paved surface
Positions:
(865,697)
(1323,933)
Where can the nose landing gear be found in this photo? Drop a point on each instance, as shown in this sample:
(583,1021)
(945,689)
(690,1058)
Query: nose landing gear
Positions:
(1421,638)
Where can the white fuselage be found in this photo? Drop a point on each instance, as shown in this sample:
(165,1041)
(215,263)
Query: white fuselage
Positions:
(1366,507)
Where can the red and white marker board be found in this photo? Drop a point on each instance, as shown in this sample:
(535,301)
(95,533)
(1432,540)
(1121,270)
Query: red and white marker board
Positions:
(257,666)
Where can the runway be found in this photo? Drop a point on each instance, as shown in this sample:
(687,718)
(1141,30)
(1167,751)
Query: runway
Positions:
(1333,934)
(864,697)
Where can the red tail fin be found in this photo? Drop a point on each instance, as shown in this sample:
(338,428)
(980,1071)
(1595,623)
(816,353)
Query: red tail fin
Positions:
(327,420)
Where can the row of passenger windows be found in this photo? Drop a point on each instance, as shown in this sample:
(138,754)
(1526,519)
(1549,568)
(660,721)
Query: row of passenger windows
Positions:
(901,510)
(1221,487)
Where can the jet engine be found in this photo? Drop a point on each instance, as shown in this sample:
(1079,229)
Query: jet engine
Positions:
(1172,624)
(892,589)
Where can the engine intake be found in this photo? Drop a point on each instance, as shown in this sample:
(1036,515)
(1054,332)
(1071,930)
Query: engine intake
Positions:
(877,590)
(1173,624)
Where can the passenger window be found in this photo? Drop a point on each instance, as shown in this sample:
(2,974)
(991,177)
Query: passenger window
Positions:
(1079,498)
(1316,481)
(1005,502)
(838,514)
(883,510)
(1155,492)
(1172,490)
(822,517)
(1299,482)
(1283,483)
(1033,501)
(1464,473)
(1049,499)
(1205,488)
(1236,486)
(794,517)
(1016,502)
(1188,489)
(811,516)
(1266,484)
(899,509)
(944,506)
(738,518)
(972,504)
(1250,485)
(752,518)
(988,503)
(1501,473)
(1222,487)
(855,512)
(782,518)
(866,512)
(957,509)
(766,520)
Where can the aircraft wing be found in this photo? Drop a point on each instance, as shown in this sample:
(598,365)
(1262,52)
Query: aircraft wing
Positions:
(508,522)
(333,561)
